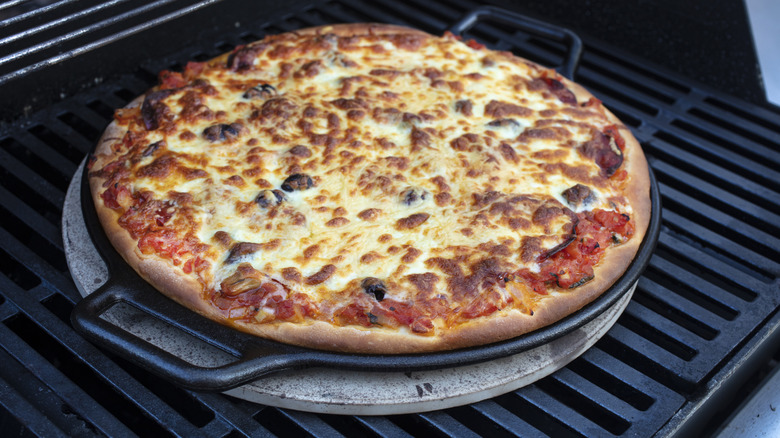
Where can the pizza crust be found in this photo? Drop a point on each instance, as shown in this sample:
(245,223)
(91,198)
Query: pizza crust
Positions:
(502,325)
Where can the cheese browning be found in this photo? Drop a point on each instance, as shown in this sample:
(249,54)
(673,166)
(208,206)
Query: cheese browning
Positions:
(356,179)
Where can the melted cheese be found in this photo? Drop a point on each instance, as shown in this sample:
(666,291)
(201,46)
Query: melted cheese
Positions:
(446,124)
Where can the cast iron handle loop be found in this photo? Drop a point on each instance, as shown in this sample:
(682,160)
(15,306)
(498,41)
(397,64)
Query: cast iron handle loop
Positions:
(530,25)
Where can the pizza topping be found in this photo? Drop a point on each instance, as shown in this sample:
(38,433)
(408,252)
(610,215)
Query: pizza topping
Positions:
(278,108)
(223,132)
(244,57)
(498,109)
(154,111)
(244,278)
(423,282)
(297,182)
(262,91)
(511,191)
(578,195)
(337,222)
(604,151)
(375,287)
(152,148)
(560,91)
(504,123)
(413,196)
(567,240)
(241,249)
(269,198)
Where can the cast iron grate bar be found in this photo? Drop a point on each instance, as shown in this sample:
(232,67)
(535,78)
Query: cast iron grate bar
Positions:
(32,13)
(51,24)
(13,65)
(709,286)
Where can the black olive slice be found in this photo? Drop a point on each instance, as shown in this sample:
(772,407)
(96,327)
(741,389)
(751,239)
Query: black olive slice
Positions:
(582,281)
(262,91)
(375,287)
(241,249)
(578,195)
(558,248)
(412,196)
(296,182)
(222,132)
(153,110)
(270,198)
(152,148)
(504,123)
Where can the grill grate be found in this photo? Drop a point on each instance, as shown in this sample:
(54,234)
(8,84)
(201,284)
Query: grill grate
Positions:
(708,297)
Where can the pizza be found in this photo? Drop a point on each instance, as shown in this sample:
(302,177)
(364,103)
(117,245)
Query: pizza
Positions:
(372,188)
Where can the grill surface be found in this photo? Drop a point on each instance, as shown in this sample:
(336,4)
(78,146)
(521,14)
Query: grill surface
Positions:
(705,311)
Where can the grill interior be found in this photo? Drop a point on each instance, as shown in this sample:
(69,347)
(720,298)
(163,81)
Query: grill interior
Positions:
(708,300)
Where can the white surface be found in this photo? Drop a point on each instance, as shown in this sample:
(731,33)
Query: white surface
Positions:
(758,416)
(764,18)
(336,391)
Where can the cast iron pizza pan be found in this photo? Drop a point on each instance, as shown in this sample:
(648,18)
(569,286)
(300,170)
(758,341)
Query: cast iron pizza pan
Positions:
(255,357)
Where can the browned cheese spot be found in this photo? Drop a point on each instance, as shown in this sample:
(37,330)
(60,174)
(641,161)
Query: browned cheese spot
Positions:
(300,151)
(484,274)
(442,199)
(423,282)
(337,222)
(161,167)
(508,152)
(466,142)
(223,239)
(420,139)
(412,221)
(369,258)
(321,276)
(411,255)
(530,248)
(465,107)
(236,181)
(369,214)
(311,251)
(292,274)
(498,109)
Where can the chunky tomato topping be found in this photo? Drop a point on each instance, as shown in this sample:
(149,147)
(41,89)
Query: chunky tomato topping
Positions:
(573,266)
(170,79)
(115,195)
(475,45)
(483,304)
(613,132)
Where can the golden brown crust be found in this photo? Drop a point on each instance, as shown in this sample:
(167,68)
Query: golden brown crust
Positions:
(496,327)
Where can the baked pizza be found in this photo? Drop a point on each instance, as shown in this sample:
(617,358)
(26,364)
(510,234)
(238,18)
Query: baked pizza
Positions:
(372,188)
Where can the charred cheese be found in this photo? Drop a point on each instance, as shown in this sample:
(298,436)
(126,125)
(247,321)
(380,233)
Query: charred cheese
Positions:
(326,163)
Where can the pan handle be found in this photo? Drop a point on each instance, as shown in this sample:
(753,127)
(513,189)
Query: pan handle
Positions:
(530,25)
(246,359)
